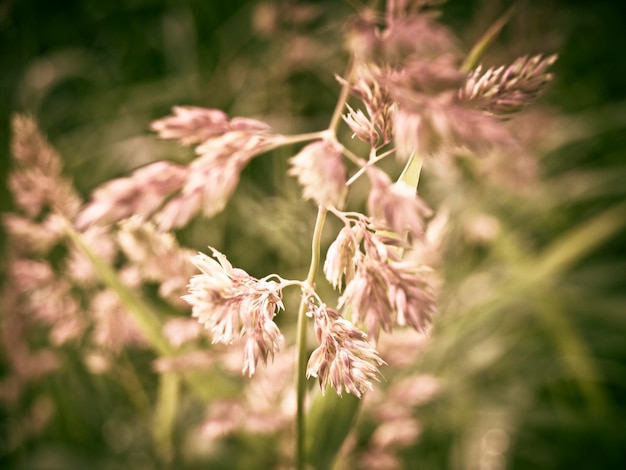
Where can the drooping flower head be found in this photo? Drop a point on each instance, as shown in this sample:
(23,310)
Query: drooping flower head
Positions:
(172,194)
(344,358)
(395,205)
(321,172)
(232,304)
(388,291)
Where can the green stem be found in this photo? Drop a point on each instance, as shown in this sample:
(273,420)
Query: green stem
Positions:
(165,414)
(343,98)
(149,323)
(296,139)
(486,40)
(301,343)
(301,339)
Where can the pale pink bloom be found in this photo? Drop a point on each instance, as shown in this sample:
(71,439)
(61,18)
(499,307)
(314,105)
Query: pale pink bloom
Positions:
(270,391)
(179,331)
(24,365)
(212,178)
(441,125)
(36,182)
(344,358)
(28,275)
(193,125)
(172,193)
(402,347)
(414,390)
(397,432)
(321,172)
(114,327)
(265,406)
(419,78)
(48,299)
(79,267)
(395,206)
(387,291)
(30,237)
(223,418)
(231,304)
(157,256)
(140,194)
(34,190)
(30,148)
(375,127)
(341,255)
(506,90)
(361,125)
(404,37)
(417,37)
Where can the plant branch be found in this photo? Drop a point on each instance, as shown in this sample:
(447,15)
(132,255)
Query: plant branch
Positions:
(301,339)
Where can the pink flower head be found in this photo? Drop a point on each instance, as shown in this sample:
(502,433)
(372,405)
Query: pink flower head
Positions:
(387,291)
(140,194)
(340,258)
(193,125)
(231,304)
(344,358)
(321,171)
(395,205)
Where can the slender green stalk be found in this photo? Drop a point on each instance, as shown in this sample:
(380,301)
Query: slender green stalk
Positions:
(343,98)
(144,314)
(301,339)
(165,414)
(149,323)
(486,40)
(301,343)
(296,139)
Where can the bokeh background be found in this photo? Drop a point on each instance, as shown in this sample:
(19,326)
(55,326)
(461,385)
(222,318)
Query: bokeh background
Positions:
(95,74)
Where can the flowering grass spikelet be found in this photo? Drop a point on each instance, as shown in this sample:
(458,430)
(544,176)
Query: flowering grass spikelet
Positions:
(503,91)
(340,258)
(388,291)
(232,304)
(344,357)
(395,205)
(321,172)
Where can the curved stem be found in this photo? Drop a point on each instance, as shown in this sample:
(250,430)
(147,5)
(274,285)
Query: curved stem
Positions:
(301,339)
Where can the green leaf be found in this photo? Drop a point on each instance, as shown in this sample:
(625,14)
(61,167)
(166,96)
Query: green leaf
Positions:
(149,323)
(328,423)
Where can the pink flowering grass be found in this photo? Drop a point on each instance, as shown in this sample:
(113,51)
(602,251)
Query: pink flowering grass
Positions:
(330,360)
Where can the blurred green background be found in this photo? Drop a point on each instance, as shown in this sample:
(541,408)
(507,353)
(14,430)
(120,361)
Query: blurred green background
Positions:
(94,74)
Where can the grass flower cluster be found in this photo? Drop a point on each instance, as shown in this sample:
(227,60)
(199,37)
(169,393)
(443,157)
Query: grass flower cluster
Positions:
(110,274)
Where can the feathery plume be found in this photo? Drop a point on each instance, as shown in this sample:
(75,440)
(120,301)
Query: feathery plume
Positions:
(341,255)
(503,91)
(395,206)
(231,304)
(386,290)
(344,357)
(321,171)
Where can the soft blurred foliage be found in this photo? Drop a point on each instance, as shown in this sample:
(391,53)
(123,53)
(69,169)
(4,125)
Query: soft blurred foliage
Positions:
(530,342)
